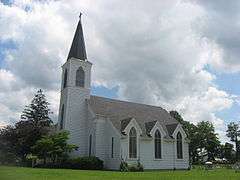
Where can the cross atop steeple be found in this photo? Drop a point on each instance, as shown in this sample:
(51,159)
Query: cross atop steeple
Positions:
(78,45)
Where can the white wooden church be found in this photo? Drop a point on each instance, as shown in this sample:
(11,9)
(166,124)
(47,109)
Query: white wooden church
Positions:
(116,130)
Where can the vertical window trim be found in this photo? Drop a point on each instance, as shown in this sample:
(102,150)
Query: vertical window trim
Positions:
(132,143)
(112,150)
(90,146)
(179,146)
(158,144)
(80,77)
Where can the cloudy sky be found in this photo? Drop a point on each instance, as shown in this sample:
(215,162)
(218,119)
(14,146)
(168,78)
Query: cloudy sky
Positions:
(178,54)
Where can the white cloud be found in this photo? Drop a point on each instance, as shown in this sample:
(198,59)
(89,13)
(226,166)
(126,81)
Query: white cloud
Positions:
(204,106)
(221,27)
(155,52)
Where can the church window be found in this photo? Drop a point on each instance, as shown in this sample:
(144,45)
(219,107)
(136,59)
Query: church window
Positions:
(61,117)
(112,147)
(133,143)
(157,142)
(80,76)
(179,146)
(90,145)
(65,79)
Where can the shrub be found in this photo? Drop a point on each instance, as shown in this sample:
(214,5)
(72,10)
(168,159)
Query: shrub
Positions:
(123,167)
(132,168)
(237,167)
(50,165)
(139,166)
(87,163)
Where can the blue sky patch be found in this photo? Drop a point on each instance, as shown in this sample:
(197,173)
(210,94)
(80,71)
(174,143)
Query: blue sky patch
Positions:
(7,2)
(4,46)
(105,92)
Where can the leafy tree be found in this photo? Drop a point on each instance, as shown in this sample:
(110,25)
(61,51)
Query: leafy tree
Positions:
(177,116)
(202,137)
(53,146)
(228,152)
(35,123)
(188,127)
(8,140)
(221,151)
(233,132)
(207,139)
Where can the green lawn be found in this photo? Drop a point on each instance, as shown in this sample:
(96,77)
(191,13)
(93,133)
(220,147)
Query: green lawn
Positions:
(19,173)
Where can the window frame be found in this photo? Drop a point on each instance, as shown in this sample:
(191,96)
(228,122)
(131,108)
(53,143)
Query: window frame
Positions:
(80,77)
(179,145)
(132,144)
(157,145)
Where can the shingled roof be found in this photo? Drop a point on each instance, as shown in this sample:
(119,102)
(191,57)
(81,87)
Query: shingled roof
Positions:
(171,128)
(149,126)
(121,112)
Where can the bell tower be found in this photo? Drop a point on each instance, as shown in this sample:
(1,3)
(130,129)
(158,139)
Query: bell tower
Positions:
(75,90)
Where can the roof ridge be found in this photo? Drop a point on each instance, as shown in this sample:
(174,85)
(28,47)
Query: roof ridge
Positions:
(130,102)
(173,123)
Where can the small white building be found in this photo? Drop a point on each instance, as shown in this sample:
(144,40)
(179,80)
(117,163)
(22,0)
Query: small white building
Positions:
(116,130)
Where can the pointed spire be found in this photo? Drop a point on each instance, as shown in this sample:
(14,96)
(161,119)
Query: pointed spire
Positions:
(78,45)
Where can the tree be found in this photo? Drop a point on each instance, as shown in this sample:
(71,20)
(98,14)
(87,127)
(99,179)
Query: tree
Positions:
(207,139)
(8,141)
(202,137)
(228,152)
(188,127)
(53,146)
(221,151)
(35,123)
(37,113)
(233,132)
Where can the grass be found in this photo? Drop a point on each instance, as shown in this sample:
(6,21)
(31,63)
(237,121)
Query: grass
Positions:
(20,173)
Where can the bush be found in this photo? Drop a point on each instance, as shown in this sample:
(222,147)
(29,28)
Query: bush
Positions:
(139,166)
(124,167)
(50,166)
(87,163)
(237,167)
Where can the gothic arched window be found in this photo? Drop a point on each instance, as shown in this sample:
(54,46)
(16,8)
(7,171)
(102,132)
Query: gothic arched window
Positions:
(157,142)
(133,143)
(62,117)
(65,79)
(80,76)
(179,146)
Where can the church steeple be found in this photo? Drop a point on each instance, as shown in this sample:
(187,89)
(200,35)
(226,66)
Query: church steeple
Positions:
(78,45)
